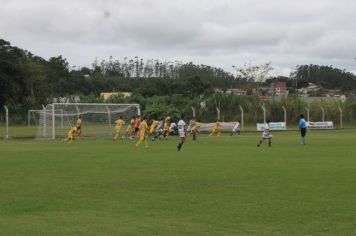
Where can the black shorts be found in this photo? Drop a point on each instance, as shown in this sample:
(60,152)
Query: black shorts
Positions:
(136,129)
(78,128)
(303,132)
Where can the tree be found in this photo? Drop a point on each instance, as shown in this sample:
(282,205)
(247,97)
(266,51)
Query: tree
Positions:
(255,73)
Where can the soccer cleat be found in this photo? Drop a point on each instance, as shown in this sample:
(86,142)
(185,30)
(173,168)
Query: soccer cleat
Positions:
(258,145)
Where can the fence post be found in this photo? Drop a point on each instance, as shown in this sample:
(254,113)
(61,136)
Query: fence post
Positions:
(218,112)
(28,119)
(78,111)
(7,121)
(44,121)
(264,113)
(62,124)
(285,114)
(322,114)
(193,112)
(138,110)
(242,117)
(340,117)
(53,123)
(109,116)
(308,111)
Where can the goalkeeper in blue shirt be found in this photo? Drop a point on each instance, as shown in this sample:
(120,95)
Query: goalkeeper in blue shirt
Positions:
(303,129)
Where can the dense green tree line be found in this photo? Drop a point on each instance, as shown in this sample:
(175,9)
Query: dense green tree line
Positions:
(325,76)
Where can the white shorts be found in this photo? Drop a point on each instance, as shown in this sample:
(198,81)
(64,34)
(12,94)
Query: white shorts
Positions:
(267,136)
(182,135)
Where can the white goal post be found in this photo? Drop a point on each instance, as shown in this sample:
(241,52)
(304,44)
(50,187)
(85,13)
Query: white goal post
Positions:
(57,119)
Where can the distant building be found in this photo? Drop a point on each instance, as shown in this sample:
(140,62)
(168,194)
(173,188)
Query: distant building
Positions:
(311,89)
(341,97)
(126,94)
(106,95)
(278,89)
(237,91)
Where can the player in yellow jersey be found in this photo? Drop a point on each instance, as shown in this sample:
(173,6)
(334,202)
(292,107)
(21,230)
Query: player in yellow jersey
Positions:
(216,129)
(70,135)
(166,125)
(190,128)
(143,130)
(153,127)
(119,123)
(79,126)
(195,129)
(130,130)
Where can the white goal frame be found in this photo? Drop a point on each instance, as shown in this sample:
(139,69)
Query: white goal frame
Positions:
(51,112)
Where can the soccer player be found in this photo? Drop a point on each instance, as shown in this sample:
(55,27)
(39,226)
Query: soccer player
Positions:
(79,126)
(266,135)
(70,135)
(143,128)
(137,124)
(195,129)
(130,130)
(166,125)
(190,127)
(216,129)
(181,132)
(172,129)
(303,129)
(159,130)
(236,129)
(119,123)
(153,127)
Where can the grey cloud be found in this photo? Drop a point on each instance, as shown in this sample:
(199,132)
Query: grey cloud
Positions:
(217,32)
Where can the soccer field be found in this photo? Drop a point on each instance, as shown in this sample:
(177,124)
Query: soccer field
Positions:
(215,186)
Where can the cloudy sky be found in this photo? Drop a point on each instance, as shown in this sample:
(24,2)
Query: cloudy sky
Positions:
(213,32)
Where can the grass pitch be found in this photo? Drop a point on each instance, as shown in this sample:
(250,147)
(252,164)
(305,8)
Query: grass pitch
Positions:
(215,186)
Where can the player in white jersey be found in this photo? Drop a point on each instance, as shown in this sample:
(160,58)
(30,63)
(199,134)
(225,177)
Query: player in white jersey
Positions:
(181,132)
(172,128)
(236,129)
(158,132)
(266,135)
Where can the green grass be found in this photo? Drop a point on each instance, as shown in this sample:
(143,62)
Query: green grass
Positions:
(215,186)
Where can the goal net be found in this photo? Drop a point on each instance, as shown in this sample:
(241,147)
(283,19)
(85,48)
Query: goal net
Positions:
(34,117)
(98,119)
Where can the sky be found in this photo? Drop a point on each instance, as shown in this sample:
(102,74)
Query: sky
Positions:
(221,33)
